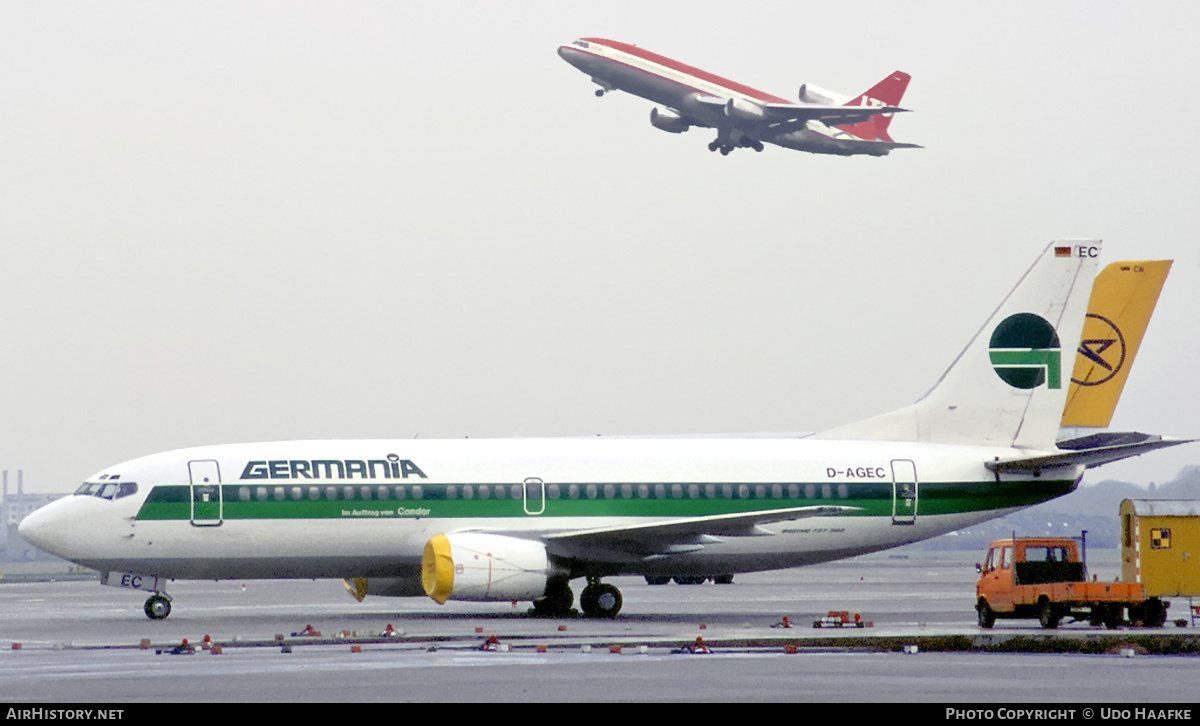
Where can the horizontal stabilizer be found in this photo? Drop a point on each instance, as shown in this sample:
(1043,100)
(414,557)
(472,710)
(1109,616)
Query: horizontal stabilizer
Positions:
(1106,438)
(1120,446)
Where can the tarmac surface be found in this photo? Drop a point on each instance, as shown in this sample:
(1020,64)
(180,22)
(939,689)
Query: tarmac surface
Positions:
(77,641)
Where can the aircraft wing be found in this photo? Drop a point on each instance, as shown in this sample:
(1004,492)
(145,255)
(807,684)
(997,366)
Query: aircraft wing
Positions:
(639,542)
(832,115)
(1089,451)
(790,113)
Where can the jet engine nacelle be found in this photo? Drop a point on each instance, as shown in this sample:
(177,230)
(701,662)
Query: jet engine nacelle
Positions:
(483,567)
(739,108)
(813,94)
(668,120)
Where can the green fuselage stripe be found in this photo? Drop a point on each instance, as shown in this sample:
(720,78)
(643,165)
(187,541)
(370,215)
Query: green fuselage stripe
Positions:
(362,499)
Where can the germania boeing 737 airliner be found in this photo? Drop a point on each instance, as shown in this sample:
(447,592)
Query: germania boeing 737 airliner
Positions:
(519,519)
(822,123)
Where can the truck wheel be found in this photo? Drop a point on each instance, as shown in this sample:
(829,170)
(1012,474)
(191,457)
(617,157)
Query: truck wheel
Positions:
(1154,613)
(1111,617)
(1049,615)
(987,616)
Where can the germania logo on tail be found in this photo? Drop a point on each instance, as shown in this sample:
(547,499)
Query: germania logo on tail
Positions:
(822,122)
(1025,352)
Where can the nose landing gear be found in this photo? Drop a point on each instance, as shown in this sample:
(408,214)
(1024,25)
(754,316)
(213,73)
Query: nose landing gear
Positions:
(158,606)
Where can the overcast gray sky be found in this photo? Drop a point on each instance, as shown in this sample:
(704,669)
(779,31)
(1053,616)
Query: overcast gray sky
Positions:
(232,221)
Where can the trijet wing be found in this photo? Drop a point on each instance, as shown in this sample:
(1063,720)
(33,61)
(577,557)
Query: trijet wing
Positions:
(799,114)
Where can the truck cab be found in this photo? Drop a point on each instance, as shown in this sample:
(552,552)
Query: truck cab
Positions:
(1046,578)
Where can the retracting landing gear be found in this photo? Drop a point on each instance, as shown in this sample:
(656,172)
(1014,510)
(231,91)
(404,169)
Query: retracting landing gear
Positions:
(158,606)
(600,600)
(725,144)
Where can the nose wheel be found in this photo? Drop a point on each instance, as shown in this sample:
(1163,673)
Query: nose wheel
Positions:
(158,606)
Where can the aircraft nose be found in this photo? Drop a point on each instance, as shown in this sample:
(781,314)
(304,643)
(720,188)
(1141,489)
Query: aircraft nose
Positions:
(568,54)
(44,529)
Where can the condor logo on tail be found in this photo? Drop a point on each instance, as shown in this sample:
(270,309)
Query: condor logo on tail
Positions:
(1025,352)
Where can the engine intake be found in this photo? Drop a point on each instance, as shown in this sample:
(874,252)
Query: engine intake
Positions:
(483,567)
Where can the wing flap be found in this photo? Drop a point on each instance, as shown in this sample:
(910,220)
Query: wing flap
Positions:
(831,115)
(678,536)
(775,113)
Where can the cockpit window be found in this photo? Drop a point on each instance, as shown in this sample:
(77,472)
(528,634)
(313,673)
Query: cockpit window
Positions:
(107,489)
(580,43)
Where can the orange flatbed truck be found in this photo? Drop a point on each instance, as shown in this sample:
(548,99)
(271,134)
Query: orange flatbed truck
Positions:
(1045,578)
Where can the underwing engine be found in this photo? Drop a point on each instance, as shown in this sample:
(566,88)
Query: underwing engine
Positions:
(484,567)
(668,120)
(743,110)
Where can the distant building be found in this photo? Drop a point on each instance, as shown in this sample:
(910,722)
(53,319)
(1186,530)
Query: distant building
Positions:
(14,508)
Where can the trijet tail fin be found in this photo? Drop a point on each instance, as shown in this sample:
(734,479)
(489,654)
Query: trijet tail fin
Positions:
(887,92)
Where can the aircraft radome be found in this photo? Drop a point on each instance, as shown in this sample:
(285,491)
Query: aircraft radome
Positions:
(822,123)
(519,519)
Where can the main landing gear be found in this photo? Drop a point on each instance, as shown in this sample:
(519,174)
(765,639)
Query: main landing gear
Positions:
(598,600)
(158,606)
(725,148)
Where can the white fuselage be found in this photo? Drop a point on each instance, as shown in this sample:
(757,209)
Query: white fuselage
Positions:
(677,86)
(366,508)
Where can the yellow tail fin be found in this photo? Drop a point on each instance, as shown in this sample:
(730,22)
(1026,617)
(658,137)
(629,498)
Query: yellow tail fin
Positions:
(1123,299)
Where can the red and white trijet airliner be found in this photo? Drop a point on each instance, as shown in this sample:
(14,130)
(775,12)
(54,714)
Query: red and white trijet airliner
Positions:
(822,123)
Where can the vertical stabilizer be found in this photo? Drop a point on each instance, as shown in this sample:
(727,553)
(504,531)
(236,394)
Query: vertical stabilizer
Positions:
(887,92)
(1009,386)
(1123,299)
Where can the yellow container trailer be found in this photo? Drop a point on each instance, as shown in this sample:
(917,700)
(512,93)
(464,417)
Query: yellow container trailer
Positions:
(1160,545)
